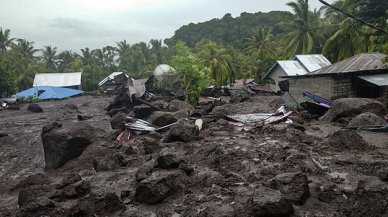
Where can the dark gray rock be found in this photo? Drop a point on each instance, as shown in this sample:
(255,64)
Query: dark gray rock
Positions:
(366,119)
(34,108)
(71,106)
(183,131)
(41,206)
(220,210)
(349,140)
(114,111)
(72,178)
(371,198)
(65,143)
(145,170)
(101,204)
(130,150)
(82,188)
(351,107)
(374,167)
(110,162)
(151,145)
(177,105)
(297,127)
(294,186)
(160,118)
(143,111)
(3,134)
(168,161)
(13,107)
(159,186)
(187,168)
(267,202)
(31,193)
(116,122)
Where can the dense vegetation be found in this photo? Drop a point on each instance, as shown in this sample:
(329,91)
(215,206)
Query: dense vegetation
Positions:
(221,49)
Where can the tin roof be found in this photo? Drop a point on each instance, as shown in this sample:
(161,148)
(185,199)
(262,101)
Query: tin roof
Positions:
(313,62)
(360,62)
(292,67)
(110,77)
(58,79)
(379,79)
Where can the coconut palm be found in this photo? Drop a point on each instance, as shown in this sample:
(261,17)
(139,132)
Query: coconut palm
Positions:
(122,47)
(261,41)
(5,41)
(216,59)
(157,50)
(49,56)
(305,38)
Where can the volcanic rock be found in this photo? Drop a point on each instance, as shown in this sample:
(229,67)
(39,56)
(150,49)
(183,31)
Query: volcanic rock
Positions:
(116,122)
(267,202)
(366,119)
(294,186)
(34,108)
(183,131)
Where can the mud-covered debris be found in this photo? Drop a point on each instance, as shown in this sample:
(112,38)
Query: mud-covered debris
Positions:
(351,107)
(366,119)
(72,178)
(374,167)
(177,105)
(110,162)
(187,168)
(371,198)
(101,204)
(349,140)
(160,118)
(82,117)
(143,111)
(3,134)
(145,170)
(294,186)
(116,122)
(297,126)
(168,161)
(114,111)
(222,210)
(13,107)
(71,106)
(130,150)
(65,143)
(29,194)
(159,186)
(35,179)
(183,131)
(267,202)
(34,108)
(41,206)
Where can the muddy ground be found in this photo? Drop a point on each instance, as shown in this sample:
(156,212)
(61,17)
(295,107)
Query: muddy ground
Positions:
(219,173)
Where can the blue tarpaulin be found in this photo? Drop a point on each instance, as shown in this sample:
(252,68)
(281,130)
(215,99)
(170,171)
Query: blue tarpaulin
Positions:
(48,92)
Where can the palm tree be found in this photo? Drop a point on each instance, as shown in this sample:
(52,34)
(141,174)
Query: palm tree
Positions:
(5,41)
(65,58)
(86,57)
(26,49)
(216,59)
(157,49)
(48,56)
(122,47)
(148,62)
(305,38)
(261,41)
(345,42)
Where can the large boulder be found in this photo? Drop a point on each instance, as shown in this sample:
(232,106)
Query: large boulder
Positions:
(349,140)
(294,186)
(41,206)
(116,122)
(110,162)
(114,111)
(159,186)
(267,202)
(168,161)
(34,108)
(101,203)
(373,167)
(65,143)
(160,118)
(366,119)
(143,111)
(351,107)
(183,131)
(177,105)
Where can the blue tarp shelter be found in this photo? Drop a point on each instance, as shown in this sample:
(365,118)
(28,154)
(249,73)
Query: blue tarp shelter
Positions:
(48,92)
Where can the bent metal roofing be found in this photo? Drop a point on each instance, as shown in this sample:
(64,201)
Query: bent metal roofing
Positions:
(58,79)
(313,62)
(360,62)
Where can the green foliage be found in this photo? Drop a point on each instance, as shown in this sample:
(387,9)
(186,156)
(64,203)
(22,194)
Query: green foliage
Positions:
(194,77)
(6,77)
(30,99)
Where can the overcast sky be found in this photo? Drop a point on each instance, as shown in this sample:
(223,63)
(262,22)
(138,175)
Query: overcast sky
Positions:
(76,24)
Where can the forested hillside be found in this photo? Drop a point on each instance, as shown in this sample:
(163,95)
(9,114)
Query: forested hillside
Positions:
(217,51)
(229,30)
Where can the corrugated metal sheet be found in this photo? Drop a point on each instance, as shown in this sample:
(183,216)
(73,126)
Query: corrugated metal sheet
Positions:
(361,62)
(313,62)
(58,79)
(379,80)
(110,77)
(292,67)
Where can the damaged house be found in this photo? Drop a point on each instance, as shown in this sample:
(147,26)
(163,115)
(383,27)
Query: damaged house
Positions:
(364,75)
(109,82)
(299,65)
(66,80)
